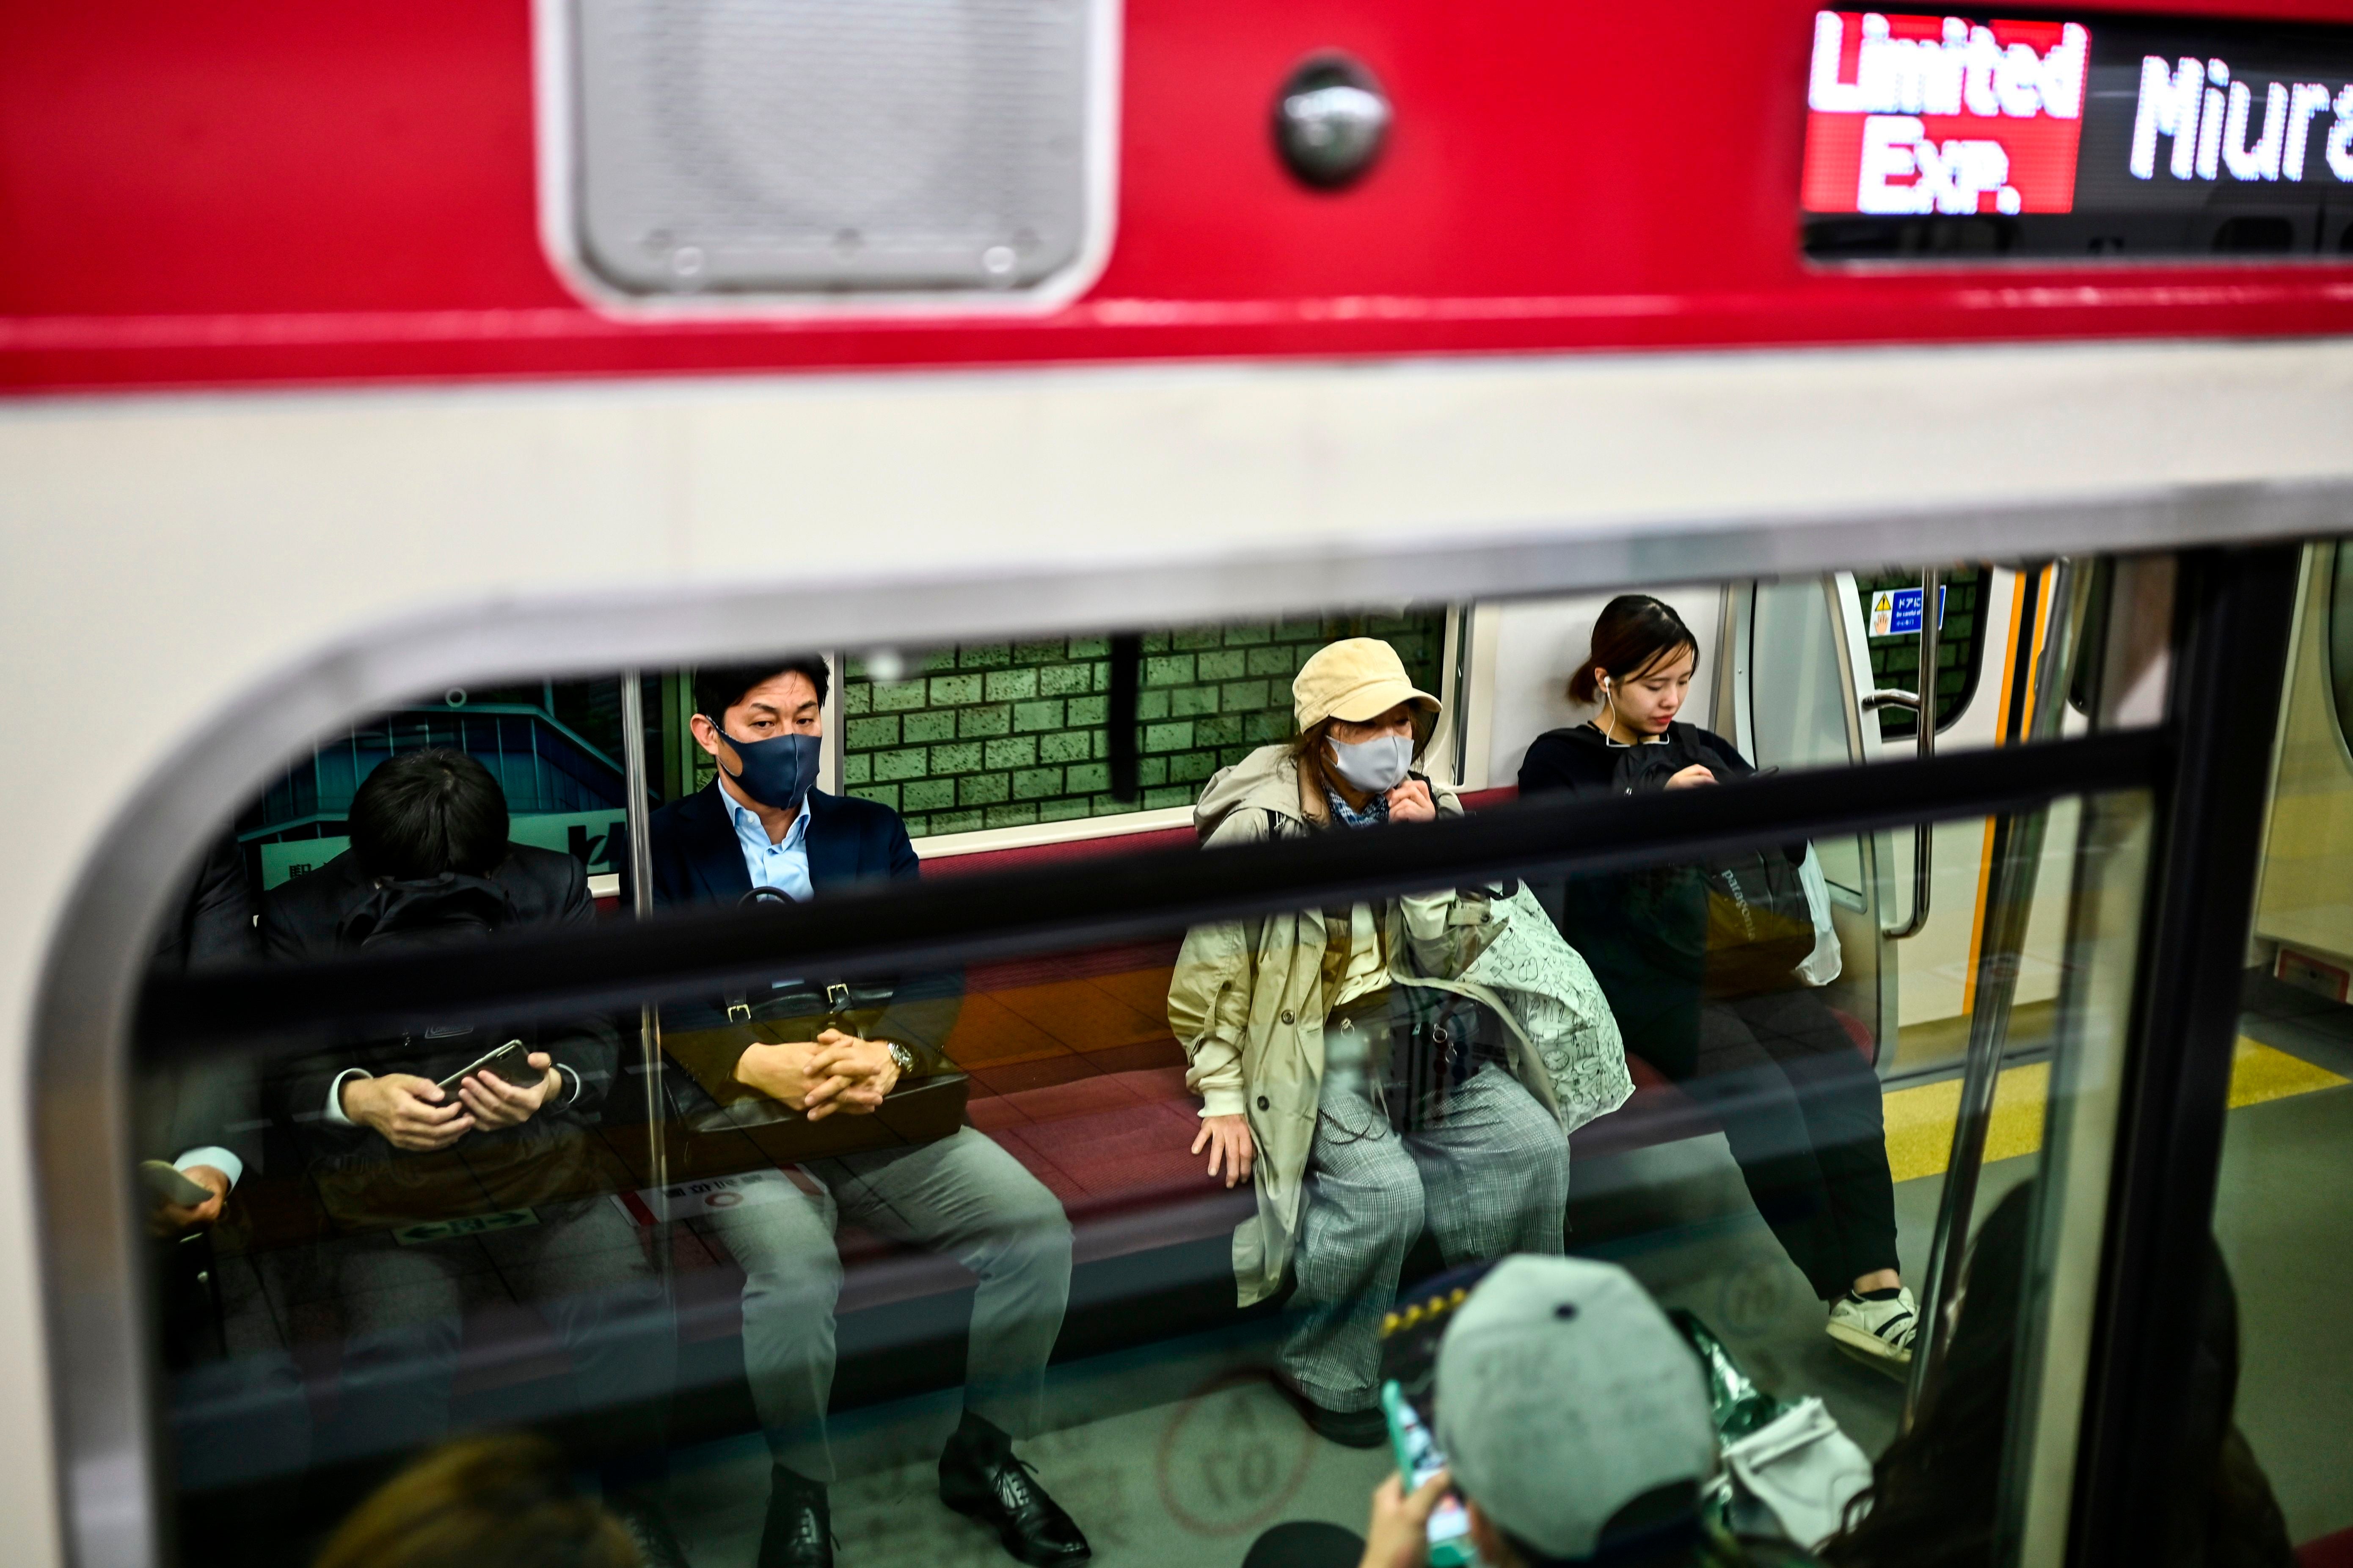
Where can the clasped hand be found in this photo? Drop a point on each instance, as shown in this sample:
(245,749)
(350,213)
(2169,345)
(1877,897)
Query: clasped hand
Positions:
(1410,802)
(834,1072)
(419,1115)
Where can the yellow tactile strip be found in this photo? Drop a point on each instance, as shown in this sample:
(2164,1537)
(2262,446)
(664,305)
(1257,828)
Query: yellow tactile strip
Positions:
(1920,1120)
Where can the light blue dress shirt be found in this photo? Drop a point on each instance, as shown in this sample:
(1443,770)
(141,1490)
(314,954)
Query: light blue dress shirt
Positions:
(783,865)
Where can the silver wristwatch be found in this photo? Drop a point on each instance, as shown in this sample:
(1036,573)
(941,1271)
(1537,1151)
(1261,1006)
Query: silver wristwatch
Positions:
(903,1056)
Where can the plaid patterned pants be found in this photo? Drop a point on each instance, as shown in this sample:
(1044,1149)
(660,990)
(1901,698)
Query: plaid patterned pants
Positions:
(1488,1174)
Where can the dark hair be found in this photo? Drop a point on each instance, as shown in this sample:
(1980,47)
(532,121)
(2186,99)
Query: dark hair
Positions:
(1662,1521)
(719,687)
(1935,1493)
(502,1498)
(421,814)
(1633,633)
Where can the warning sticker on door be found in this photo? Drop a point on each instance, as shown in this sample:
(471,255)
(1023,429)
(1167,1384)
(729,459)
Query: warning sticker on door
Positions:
(1895,611)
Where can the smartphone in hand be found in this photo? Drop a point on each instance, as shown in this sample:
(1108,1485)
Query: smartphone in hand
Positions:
(1419,1459)
(510,1063)
(171,1185)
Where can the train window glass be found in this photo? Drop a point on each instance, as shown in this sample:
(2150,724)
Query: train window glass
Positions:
(2280,1201)
(554,748)
(1895,655)
(2340,638)
(1015,734)
(2091,640)
(1800,703)
(614,1228)
(2282,1190)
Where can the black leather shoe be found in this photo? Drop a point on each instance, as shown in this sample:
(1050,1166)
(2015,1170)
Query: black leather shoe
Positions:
(980,1478)
(648,1531)
(1367,1429)
(800,1531)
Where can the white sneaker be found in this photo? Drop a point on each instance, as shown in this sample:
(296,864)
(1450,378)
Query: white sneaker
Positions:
(1879,1333)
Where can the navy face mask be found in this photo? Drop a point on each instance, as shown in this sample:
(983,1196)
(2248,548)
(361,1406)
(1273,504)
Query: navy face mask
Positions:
(777,771)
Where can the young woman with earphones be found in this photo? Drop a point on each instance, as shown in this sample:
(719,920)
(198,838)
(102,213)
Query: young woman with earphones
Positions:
(1732,1022)
(1342,1070)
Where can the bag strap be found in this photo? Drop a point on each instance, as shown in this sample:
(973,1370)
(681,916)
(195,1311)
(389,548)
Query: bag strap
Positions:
(836,1002)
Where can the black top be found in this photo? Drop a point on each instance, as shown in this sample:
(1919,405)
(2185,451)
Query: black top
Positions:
(214,923)
(212,1099)
(1584,762)
(1642,932)
(300,921)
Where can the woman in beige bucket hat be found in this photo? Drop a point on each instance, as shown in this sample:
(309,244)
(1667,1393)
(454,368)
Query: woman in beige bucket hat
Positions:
(1341,1062)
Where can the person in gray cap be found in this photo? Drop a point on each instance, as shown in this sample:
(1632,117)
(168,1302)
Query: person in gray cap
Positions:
(1578,1428)
(1571,1413)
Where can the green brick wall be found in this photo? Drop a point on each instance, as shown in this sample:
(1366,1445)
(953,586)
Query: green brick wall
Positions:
(1006,735)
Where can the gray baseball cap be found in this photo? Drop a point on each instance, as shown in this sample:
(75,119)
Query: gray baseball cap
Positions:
(1563,1395)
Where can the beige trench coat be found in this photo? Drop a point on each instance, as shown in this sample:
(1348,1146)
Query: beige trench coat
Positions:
(1249,996)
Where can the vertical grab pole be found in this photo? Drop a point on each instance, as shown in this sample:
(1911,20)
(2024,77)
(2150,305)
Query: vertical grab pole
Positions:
(1924,835)
(2017,856)
(640,872)
(1120,710)
(1923,703)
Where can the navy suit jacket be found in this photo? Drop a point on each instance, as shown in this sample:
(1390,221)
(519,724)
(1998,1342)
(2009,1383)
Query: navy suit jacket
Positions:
(698,861)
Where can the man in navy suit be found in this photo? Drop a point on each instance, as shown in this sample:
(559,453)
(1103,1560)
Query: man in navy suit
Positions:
(762,824)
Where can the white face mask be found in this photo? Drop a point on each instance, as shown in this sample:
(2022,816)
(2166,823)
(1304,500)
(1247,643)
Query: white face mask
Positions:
(1376,766)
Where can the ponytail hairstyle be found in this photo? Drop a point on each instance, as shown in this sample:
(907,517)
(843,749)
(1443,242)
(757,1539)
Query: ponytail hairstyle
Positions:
(1634,632)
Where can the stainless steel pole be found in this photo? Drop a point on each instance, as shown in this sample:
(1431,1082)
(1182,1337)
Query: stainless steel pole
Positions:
(2009,903)
(1923,722)
(640,872)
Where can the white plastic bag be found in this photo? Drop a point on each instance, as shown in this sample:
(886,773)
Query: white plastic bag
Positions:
(1800,1469)
(1822,965)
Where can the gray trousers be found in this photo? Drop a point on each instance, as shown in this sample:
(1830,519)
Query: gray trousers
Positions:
(583,1267)
(964,1196)
(1489,1176)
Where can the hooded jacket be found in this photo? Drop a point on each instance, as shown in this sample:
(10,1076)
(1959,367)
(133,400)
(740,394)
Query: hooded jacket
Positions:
(1247,997)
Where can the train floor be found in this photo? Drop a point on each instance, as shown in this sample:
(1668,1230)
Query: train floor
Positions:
(1178,1453)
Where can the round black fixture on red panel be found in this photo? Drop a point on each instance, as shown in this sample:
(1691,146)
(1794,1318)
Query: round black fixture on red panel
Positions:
(1331,120)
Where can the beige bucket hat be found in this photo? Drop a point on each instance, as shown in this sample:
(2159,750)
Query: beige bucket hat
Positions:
(1356,679)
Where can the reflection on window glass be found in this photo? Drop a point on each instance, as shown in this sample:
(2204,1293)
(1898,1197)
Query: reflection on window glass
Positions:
(2340,638)
(1141,1249)
(787,1338)
(554,747)
(1008,734)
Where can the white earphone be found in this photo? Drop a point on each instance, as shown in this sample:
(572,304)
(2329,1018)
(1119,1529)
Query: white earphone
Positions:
(1609,701)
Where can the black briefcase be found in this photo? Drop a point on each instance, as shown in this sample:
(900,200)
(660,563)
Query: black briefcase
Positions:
(922,1108)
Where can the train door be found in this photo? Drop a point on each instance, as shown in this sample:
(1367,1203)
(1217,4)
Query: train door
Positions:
(2303,923)
(1786,676)
(1798,694)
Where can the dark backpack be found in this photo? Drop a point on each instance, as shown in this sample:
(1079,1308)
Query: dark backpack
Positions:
(1759,923)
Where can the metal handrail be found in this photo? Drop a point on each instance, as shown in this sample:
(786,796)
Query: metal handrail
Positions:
(1922,704)
(2017,855)
(637,788)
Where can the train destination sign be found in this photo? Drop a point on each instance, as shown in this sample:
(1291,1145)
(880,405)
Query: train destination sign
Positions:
(1932,135)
